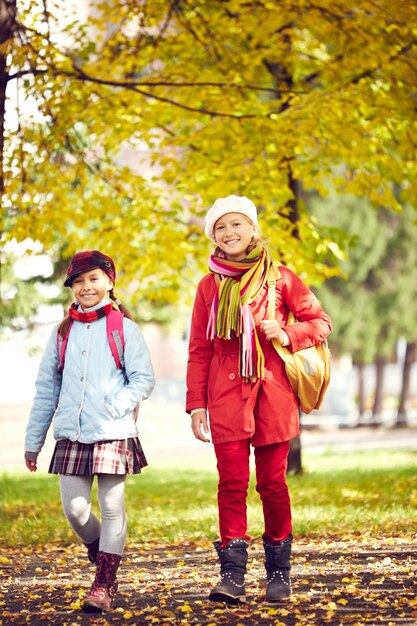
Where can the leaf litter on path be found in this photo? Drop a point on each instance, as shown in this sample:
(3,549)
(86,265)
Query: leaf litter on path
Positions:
(360,580)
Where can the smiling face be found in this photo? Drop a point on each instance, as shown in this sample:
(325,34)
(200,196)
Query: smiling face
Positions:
(233,233)
(90,288)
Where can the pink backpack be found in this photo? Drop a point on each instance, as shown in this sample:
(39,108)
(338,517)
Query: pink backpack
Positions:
(115,336)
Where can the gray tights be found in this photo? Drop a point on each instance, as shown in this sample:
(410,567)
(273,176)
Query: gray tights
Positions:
(76,503)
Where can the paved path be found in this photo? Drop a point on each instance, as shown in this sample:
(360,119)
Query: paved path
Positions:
(345,582)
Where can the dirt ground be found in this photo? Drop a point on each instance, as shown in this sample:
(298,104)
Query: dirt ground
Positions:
(353,581)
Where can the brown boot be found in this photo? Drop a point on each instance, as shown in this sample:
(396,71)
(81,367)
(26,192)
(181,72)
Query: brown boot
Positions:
(93,550)
(105,584)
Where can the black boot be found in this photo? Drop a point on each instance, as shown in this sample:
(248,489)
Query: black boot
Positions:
(277,565)
(233,559)
(93,550)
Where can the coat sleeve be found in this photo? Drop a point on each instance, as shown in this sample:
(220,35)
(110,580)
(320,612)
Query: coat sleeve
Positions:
(200,351)
(48,386)
(313,324)
(139,372)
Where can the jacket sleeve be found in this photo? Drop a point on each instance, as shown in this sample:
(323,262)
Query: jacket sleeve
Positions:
(313,324)
(140,379)
(200,353)
(48,386)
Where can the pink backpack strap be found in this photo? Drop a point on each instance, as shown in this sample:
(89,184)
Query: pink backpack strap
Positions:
(61,344)
(115,336)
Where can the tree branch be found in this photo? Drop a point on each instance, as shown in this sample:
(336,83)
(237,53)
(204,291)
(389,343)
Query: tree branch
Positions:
(160,83)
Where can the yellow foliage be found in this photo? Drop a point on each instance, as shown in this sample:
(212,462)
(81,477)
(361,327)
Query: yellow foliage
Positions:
(134,134)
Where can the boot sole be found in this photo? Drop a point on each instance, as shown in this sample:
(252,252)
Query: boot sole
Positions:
(269,602)
(229,599)
(90,607)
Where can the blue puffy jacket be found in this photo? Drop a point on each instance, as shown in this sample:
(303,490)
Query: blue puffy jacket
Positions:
(93,400)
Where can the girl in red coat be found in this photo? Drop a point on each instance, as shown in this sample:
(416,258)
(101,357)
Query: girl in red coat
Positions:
(236,383)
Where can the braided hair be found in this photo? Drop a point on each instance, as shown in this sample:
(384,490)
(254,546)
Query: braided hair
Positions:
(122,308)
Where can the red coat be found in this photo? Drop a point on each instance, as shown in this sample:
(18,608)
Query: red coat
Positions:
(266,411)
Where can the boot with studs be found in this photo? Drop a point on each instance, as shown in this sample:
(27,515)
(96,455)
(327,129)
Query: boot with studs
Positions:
(277,565)
(233,560)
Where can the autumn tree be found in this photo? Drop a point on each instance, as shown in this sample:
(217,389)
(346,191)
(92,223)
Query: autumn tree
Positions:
(396,300)
(374,301)
(131,120)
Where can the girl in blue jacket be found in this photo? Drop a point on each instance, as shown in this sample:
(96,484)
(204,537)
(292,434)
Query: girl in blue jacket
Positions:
(93,404)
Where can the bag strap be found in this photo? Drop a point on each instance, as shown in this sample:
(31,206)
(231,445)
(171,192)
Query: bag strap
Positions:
(115,336)
(276,275)
(62,340)
(272,281)
(273,275)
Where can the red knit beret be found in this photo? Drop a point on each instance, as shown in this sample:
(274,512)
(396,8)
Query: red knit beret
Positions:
(87,261)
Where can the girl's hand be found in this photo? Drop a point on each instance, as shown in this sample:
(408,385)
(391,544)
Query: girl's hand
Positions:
(199,425)
(31,465)
(273,330)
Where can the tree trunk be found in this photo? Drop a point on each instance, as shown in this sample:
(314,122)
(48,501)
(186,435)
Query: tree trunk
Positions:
(294,457)
(379,390)
(361,390)
(410,357)
(282,77)
(7,25)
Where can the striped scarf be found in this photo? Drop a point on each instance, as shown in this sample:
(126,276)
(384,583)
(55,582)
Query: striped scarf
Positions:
(75,313)
(239,283)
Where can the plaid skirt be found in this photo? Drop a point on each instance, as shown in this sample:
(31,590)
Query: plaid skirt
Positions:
(103,457)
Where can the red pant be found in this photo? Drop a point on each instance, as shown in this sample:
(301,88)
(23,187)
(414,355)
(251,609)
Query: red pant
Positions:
(271,467)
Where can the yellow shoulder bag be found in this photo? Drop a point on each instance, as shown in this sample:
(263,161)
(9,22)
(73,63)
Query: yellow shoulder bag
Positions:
(307,370)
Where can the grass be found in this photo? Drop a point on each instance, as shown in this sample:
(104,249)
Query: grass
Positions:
(372,492)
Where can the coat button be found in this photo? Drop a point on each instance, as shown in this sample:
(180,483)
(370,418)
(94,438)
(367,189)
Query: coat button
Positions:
(232,376)
(88,325)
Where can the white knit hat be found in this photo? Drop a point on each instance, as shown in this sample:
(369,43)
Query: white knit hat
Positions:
(231,204)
